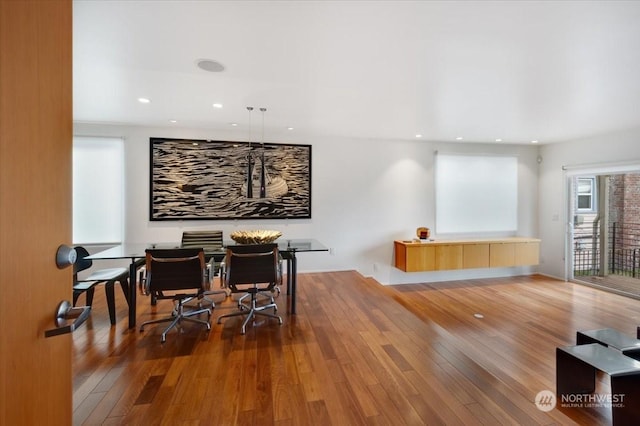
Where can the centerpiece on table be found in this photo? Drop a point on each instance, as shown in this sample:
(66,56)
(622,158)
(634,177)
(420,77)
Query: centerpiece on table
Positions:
(260,236)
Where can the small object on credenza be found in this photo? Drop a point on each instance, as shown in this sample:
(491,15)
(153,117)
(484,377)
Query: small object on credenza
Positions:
(423,233)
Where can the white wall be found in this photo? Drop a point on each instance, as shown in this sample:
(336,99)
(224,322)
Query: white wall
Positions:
(365,194)
(605,152)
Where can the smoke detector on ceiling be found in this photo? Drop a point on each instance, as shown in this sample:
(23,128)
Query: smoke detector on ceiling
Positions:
(210,65)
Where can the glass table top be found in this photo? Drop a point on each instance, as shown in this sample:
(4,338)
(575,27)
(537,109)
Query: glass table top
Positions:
(137,250)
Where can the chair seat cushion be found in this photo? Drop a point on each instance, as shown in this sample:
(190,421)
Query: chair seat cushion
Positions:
(107,274)
(84,285)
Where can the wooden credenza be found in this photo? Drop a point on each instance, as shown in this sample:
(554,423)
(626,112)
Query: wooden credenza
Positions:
(445,255)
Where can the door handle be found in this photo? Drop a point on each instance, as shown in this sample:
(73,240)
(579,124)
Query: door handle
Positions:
(65,256)
(65,312)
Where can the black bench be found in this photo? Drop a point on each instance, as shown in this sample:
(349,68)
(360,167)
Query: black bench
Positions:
(612,338)
(576,376)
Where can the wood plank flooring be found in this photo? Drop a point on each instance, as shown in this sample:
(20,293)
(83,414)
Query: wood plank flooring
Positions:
(357,353)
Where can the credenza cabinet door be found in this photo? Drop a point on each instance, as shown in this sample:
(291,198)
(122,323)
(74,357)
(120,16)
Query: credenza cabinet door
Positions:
(475,256)
(527,253)
(502,255)
(449,257)
(421,259)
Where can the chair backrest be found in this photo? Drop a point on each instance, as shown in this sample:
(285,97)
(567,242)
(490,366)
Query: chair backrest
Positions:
(81,263)
(252,264)
(175,269)
(207,240)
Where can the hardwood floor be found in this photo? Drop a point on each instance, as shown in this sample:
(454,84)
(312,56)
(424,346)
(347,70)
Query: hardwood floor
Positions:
(357,353)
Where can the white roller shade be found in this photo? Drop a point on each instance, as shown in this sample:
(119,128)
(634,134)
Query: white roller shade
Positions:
(476,193)
(98,190)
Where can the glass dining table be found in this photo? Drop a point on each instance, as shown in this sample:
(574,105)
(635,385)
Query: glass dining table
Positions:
(135,253)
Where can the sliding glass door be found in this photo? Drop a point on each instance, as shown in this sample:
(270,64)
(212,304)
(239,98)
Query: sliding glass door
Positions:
(604,230)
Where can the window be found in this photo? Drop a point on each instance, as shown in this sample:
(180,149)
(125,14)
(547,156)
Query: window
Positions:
(98,190)
(586,194)
(476,193)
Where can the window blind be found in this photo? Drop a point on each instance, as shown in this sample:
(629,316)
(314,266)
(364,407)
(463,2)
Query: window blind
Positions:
(98,190)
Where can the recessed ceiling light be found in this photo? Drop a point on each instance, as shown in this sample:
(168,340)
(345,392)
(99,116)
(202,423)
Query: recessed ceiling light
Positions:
(534,141)
(234,124)
(459,138)
(217,105)
(210,65)
(498,140)
(289,128)
(173,121)
(144,100)
(418,135)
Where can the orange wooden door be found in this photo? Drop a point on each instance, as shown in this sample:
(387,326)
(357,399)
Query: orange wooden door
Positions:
(35,209)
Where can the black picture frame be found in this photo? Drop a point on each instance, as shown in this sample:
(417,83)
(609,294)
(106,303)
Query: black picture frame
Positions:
(193,179)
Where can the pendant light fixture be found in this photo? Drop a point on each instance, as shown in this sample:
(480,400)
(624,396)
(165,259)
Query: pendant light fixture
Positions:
(263,178)
(250,159)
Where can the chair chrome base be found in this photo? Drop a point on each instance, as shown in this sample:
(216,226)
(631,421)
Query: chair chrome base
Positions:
(177,316)
(251,312)
(271,295)
(205,299)
(202,298)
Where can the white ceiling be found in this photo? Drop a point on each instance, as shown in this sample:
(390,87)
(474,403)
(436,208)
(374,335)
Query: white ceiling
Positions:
(518,71)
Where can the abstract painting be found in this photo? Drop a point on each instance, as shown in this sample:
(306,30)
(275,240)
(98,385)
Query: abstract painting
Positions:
(203,179)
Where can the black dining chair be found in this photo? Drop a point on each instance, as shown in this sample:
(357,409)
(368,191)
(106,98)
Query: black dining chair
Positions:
(108,277)
(211,242)
(179,275)
(252,269)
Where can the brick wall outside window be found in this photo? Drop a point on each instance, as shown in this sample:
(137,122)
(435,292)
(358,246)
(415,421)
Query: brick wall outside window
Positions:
(624,207)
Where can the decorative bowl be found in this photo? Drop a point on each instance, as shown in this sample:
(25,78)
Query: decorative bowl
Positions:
(423,233)
(260,236)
